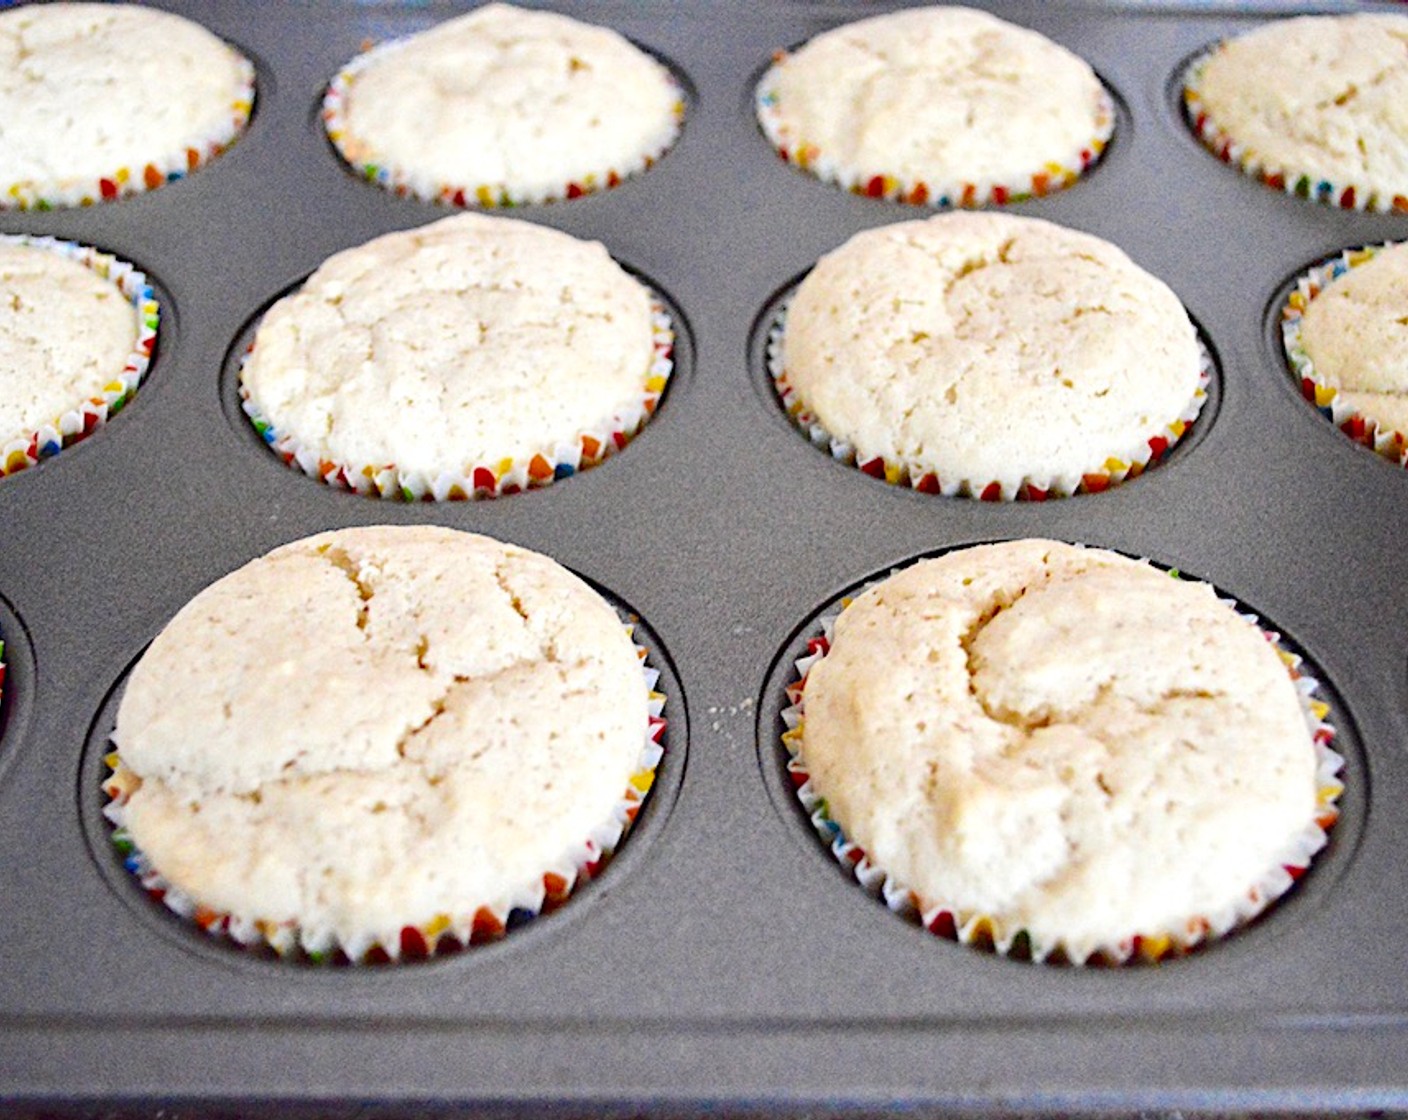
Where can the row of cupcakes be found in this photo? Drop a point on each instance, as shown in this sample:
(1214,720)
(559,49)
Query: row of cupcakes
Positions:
(1049,751)
(976,354)
(943,106)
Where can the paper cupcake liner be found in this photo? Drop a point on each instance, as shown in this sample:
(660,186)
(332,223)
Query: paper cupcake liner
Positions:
(1126,463)
(443,935)
(405,182)
(1347,194)
(85,417)
(485,480)
(124,181)
(990,933)
(1325,398)
(1051,176)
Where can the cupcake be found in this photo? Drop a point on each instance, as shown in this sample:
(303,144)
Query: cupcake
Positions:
(99,101)
(77,327)
(1345,329)
(503,106)
(1062,753)
(942,106)
(988,355)
(475,356)
(1315,106)
(381,742)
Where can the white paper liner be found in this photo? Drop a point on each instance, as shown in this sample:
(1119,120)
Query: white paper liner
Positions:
(988,931)
(17,452)
(1326,398)
(439,936)
(165,168)
(1053,175)
(1120,465)
(404,181)
(1347,194)
(586,448)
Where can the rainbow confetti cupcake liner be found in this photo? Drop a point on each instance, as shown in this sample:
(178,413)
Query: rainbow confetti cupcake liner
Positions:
(125,181)
(404,182)
(1290,180)
(441,936)
(1051,176)
(52,436)
(1325,398)
(989,933)
(486,480)
(1127,463)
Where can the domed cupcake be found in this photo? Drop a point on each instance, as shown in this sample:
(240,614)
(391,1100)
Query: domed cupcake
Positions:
(503,106)
(1316,106)
(1061,752)
(77,329)
(944,106)
(99,101)
(380,742)
(989,355)
(475,356)
(1345,329)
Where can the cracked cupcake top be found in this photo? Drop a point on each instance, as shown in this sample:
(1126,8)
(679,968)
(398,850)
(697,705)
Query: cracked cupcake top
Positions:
(1355,333)
(986,347)
(513,103)
(65,333)
(1061,738)
(941,96)
(1324,96)
(469,340)
(89,89)
(370,727)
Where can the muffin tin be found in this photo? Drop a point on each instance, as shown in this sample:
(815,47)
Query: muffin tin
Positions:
(723,957)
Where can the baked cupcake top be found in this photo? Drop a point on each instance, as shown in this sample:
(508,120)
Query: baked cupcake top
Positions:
(65,333)
(98,100)
(946,98)
(470,340)
(1064,740)
(1355,334)
(990,348)
(1318,97)
(504,105)
(372,727)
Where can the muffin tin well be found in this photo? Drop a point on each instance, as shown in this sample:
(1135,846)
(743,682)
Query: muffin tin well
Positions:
(1307,898)
(722,959)
(16,682)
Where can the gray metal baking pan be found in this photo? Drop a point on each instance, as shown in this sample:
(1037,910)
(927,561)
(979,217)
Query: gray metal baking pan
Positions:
(722,960)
